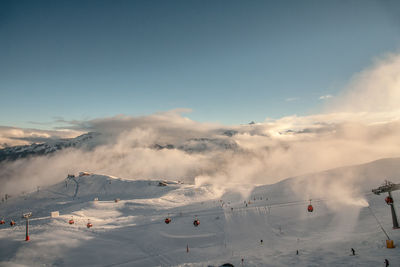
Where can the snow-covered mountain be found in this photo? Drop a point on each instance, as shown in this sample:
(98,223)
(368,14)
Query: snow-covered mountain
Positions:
(92,139)
(262,228)
(198,145)
(208,144)
(16,152)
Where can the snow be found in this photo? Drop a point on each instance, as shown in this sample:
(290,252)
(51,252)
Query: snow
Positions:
(87,140)
(132,232)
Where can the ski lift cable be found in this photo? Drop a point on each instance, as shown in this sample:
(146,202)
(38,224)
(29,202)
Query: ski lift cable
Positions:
(204,212)
(379,223)
(272,205)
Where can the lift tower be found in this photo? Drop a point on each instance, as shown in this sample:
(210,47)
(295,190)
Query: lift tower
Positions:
(26,216)
(389,187)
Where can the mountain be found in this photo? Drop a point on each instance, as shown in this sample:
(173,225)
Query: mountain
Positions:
(92,139)
(263,228)
(16,152)
(196,145)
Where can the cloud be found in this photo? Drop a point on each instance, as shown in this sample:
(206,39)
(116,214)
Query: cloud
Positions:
(323,97)
(373,90)
(352,129)
(13,136)
(291,99)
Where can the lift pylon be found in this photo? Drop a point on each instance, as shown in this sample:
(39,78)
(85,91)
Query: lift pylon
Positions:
(26,216)
(389,187)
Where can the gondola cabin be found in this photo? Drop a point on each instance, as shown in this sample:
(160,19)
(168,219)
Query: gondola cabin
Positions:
(2,222)
(12,223)
(167,220)
(310,208)
(196,222)
(71,221)
(389,200)
(88,225)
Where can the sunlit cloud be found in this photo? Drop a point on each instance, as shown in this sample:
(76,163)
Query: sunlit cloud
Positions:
(225,156)
(13,136)
(373,90)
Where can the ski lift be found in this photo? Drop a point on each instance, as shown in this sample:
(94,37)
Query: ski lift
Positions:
(12,223)
(310,208)
(167,220)
(89,224)
(196,222)
(389,200)
(2,221)
(71,221)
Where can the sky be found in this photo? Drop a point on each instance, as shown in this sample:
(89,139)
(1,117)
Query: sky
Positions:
(229,62)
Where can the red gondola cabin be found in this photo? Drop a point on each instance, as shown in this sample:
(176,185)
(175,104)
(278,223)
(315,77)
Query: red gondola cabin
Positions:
(310,208)
(167,220)
(389,200)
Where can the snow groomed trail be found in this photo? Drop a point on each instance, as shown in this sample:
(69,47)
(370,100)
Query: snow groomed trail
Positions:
(132,232)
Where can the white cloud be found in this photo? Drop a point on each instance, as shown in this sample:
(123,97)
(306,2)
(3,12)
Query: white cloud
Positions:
(375,89)
(323,97)
(291,99)
(352,130)
(13,136)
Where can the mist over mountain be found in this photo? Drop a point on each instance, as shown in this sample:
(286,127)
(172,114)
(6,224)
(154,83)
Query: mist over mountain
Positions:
(169,145)
(88,141)
(85,141)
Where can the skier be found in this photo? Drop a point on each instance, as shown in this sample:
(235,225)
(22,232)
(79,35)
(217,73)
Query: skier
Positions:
(386,262)
(261,241)
(353,251)
(297,252)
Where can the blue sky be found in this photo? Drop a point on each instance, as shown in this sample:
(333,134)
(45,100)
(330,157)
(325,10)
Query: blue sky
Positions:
(229,61)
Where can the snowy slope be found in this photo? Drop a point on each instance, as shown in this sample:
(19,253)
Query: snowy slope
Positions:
(132,232)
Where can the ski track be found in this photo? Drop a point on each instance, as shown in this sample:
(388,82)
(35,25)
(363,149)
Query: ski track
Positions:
(132,232)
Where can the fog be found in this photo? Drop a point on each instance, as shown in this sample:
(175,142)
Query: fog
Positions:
(359,125)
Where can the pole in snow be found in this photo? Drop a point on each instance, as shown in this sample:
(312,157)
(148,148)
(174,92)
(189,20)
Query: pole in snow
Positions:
(394,216)
(26,216)
(389,187)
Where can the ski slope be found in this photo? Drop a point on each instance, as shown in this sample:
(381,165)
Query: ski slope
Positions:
(132,232)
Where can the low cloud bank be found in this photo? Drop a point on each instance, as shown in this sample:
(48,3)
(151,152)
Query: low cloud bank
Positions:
(361,124)
(13,136)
